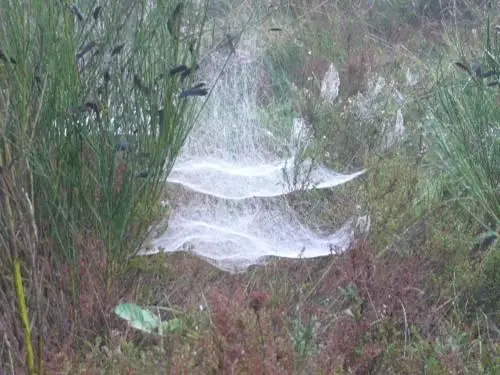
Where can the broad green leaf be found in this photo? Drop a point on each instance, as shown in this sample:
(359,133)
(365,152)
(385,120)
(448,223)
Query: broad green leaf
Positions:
(137,317)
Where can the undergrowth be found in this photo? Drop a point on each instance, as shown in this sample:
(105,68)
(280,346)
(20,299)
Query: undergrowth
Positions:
(417,294)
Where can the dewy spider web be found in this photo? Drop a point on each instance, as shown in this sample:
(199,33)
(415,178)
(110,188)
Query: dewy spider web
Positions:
(233,211)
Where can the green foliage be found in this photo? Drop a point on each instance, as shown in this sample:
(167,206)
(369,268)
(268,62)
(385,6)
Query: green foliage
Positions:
(467,134)
(146,321)
(303,337)
(91,124)
(90,128)
(137,317)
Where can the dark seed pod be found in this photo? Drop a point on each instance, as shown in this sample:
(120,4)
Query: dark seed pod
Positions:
(191,47)
(174,22)
(178,69)
(198,86)
(161,116)
(4,57)
(85,49)
(77,12)
(118,49)
(188,71)
(463,66)
(96,12)
(194,91)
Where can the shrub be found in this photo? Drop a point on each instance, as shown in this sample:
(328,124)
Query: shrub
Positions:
(90,126)
(466,137)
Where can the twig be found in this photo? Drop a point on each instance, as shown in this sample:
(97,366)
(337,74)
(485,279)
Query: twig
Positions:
(444,304)
(208,308)
(11,361)
(261,334)
(371,301)
(406,328)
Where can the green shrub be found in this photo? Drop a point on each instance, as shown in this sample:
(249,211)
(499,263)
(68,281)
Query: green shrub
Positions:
(466,133)
(90,126)
(466,141)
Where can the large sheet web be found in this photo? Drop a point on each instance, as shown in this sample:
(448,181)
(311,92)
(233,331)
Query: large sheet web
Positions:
(230,205)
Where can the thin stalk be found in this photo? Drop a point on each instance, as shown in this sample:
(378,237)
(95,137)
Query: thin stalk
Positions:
(24,317)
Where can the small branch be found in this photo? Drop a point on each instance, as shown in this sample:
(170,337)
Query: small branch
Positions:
(406,328)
